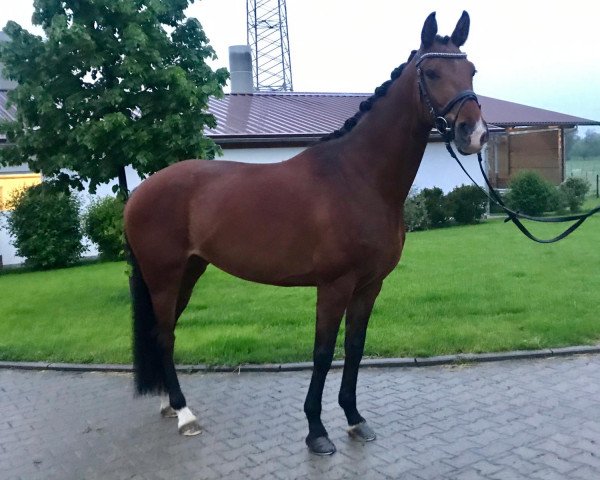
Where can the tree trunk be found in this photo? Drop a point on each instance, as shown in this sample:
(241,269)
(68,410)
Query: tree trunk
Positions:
(123,190)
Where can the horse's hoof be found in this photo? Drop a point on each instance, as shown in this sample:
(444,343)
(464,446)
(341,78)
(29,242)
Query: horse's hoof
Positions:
(361,431)
(168,412)
(190,429)
(320,446)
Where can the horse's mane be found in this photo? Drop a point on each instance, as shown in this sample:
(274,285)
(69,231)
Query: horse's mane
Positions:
(367,104)
(380,91)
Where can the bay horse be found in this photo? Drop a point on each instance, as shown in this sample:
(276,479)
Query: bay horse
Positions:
(331,217)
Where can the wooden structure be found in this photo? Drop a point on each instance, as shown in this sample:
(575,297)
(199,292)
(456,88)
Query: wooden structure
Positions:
(517,149)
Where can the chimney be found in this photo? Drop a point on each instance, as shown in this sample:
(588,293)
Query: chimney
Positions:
(240,69)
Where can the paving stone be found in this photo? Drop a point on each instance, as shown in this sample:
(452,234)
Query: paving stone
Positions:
(534,418)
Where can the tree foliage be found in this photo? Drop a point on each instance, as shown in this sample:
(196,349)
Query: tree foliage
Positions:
(44,223)
(114,83)
(584,147)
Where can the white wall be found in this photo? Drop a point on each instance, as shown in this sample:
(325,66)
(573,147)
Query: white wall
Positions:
(437,169)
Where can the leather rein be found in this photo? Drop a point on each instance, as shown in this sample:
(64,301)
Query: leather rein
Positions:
(446,130)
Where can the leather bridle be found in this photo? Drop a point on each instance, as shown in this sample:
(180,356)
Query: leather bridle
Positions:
(442,125)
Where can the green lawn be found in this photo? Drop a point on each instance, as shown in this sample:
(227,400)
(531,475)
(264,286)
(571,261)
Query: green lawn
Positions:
(463,289)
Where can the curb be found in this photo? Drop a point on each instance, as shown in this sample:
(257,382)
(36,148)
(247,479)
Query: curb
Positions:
(337,364)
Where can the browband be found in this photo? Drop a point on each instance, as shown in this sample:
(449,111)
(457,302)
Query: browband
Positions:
(425,56)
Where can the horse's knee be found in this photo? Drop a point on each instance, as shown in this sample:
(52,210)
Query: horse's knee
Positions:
(322,358)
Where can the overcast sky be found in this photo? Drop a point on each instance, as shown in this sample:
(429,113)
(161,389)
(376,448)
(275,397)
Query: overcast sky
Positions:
(543,53)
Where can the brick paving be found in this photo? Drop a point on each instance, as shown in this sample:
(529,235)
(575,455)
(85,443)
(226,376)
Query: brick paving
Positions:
(526,419)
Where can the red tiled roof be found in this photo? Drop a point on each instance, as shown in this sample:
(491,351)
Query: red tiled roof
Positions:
(284,115)
(316,114)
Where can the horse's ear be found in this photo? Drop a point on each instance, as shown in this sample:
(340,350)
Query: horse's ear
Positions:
(461,32)
(429,30)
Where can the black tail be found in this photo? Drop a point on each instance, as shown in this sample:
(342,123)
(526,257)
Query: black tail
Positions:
(147,353)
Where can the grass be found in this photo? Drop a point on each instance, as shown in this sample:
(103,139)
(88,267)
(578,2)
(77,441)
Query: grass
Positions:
(464,289)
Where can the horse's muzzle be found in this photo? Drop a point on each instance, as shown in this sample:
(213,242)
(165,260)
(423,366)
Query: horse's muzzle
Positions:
(470,137)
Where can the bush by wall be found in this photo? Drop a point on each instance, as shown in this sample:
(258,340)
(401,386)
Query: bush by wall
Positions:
(574,190)
(45,226)
(466,204)
(436,205)
(103,224)
(530,193)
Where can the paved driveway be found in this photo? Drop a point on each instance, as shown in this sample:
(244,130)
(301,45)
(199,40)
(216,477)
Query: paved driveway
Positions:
(530,419)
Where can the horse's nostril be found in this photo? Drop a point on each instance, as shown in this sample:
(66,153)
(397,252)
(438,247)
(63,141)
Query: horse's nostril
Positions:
(464,129)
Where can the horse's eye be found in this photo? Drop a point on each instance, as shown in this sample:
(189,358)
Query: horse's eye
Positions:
(431,74)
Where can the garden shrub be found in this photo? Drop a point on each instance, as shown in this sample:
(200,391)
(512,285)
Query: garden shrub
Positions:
(466,204)
(415,213)
(436,206)
(531,194)
(45,227)
(574,190)
(103,224)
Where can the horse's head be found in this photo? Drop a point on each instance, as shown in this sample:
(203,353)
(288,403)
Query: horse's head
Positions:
(445,79)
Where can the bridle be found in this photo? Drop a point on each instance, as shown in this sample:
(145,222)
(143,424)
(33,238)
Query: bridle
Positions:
(446,130)
(442,125)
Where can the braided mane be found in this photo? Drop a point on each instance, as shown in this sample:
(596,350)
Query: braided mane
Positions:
(367,104)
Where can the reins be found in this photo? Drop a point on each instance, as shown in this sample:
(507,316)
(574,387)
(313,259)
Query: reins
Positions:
(515,216)
(446,130)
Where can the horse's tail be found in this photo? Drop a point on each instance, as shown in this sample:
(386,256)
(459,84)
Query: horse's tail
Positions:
(147,353)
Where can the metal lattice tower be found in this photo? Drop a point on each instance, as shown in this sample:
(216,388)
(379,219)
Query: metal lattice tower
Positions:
(268,39)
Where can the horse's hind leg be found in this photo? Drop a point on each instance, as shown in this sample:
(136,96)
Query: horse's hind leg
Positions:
(195,268)
(357,319)
(173,403)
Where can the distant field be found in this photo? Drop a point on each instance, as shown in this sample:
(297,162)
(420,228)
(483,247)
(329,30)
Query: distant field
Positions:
(587,169)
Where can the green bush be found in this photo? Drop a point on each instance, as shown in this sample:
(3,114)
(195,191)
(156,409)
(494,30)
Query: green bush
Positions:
(574,190)
(415,213)
(466,204)
(103,224)
(436,206)
(45,227)
(531,194)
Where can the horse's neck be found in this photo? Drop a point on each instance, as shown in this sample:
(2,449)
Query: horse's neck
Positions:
(388,143)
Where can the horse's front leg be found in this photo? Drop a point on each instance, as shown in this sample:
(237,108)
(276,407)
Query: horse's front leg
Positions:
(332,300)
(357,319)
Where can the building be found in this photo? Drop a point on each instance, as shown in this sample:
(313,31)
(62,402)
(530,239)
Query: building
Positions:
(272,127)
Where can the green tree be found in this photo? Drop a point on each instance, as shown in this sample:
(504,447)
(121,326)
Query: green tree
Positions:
(587,146)
(114,83)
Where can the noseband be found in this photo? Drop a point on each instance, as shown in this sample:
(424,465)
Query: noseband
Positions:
(442,125)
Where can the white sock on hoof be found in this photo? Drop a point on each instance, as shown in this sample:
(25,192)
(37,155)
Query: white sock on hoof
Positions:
(185,416)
